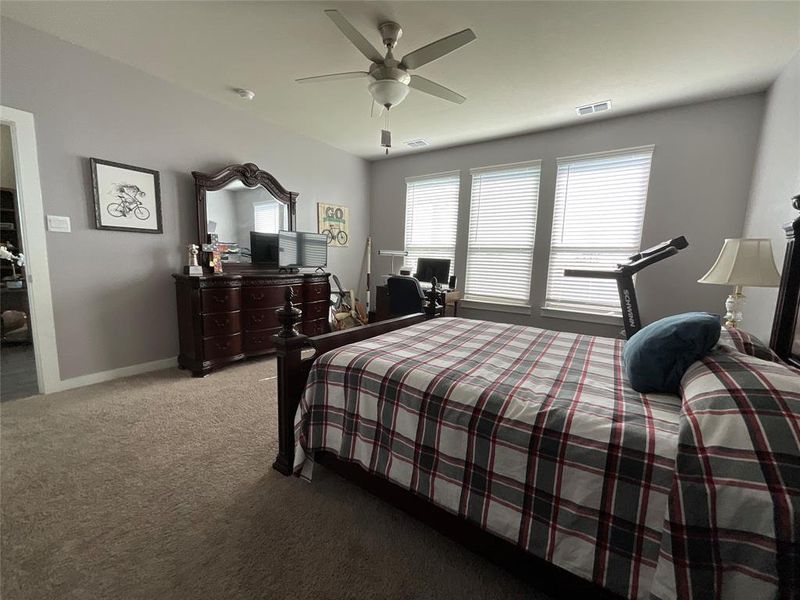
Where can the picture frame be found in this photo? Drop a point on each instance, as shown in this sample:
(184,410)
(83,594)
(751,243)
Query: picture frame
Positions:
(334,221)
(126,198)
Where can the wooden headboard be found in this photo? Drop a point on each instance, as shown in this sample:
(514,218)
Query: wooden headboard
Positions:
(785,336)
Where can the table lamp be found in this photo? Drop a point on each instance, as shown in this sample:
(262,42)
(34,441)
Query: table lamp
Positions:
(742,262)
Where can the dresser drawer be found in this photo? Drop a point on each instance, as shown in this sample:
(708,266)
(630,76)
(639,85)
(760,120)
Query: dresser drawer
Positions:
(222,346)
(317,291)
(317,327)
(316,310)
(222,323)
(221,300)
(269,296)
(260,319)
(255,341)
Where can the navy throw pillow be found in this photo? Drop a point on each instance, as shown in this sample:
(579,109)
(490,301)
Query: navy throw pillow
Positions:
(657,356)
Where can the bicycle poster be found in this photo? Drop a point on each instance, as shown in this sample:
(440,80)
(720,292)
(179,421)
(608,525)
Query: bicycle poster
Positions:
(334,222)
(126,198)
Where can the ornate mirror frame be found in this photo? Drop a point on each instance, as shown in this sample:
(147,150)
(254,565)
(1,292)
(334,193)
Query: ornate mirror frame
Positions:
(252,177)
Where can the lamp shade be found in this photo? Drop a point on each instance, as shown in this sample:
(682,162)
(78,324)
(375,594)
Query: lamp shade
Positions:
(747,262)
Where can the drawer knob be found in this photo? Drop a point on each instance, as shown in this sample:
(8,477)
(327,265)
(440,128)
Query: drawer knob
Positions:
(257,297)
(221,322)
(223,346)
(220,299)
(257,318)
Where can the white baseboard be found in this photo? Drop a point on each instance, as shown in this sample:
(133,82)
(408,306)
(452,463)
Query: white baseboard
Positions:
(82,380)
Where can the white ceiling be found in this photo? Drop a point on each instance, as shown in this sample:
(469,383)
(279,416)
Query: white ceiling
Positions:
(532,64)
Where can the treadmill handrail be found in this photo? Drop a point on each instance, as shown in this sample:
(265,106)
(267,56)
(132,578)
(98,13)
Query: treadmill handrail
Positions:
(640,264)
(592,273)
(679,243)
(630,269)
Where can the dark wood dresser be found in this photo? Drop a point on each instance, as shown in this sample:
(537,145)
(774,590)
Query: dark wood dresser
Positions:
(228,317)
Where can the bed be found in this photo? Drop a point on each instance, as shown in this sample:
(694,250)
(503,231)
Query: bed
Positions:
(530,445)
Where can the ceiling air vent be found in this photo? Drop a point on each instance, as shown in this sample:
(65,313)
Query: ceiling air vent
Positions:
(416,143)
(590,109)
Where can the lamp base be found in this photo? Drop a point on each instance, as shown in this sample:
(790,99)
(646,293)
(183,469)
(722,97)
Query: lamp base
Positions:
(734,305)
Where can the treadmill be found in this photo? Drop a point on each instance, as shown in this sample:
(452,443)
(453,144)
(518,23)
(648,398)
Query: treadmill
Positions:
(623,275)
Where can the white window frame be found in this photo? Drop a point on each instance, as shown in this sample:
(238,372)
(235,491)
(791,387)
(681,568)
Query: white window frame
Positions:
(433,251)
(498,302)
(601,314)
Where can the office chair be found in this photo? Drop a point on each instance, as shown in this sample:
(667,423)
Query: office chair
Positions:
(405,296)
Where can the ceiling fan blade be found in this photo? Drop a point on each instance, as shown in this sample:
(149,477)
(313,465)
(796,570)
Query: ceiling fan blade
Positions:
(355,37)
(333,77)
(434,89)
(437,49)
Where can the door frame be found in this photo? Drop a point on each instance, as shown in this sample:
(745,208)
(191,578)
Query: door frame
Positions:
(34,243)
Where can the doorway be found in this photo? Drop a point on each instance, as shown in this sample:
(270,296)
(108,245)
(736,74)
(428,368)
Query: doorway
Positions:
(27,338)
(17,361)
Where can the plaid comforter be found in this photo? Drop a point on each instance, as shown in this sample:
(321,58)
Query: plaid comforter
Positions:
(732,528)
(535,436)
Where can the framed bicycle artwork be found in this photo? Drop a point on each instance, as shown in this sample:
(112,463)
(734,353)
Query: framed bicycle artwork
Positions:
(333,221)
(126,198)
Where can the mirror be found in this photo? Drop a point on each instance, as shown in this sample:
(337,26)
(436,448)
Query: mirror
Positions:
(235,211)
(237,203)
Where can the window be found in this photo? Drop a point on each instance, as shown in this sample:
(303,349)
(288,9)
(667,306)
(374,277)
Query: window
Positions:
(502,224)
(597,222)
(431,218)
(268,217)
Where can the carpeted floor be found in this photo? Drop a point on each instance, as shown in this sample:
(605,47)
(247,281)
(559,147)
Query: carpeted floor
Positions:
(161,486)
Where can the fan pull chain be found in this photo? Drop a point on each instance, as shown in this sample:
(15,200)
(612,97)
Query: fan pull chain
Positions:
(386,135)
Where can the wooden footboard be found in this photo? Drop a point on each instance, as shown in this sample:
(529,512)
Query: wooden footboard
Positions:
(296,353)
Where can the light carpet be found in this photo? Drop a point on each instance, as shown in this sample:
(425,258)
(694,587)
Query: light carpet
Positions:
(161,486)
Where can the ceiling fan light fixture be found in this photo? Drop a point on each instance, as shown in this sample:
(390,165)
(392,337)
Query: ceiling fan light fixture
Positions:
(388,92)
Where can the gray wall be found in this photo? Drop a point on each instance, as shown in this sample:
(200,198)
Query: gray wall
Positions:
(775,180)
(699,187)
(113,297)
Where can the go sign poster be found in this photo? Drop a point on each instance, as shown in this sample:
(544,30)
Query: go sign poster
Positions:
(333,222)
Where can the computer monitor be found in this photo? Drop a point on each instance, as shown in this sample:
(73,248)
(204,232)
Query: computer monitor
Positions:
(428,268)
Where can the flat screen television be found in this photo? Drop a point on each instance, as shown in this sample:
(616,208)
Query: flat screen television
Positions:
(264,249)
(302,249)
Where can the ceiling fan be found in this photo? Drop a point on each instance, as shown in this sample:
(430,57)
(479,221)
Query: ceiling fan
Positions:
(389,78)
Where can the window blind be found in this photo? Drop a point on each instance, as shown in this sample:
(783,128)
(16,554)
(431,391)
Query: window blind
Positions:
(502,225)
(431,218)
(597,222)
(267,217)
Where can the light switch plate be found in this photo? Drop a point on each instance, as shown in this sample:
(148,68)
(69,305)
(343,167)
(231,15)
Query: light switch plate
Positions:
(59,224)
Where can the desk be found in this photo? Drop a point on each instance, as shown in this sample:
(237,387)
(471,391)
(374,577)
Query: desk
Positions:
(383,309)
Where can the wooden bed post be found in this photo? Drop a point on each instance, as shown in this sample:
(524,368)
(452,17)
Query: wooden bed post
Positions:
(288,347)
(785,322)
(432,295)
(293,369)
